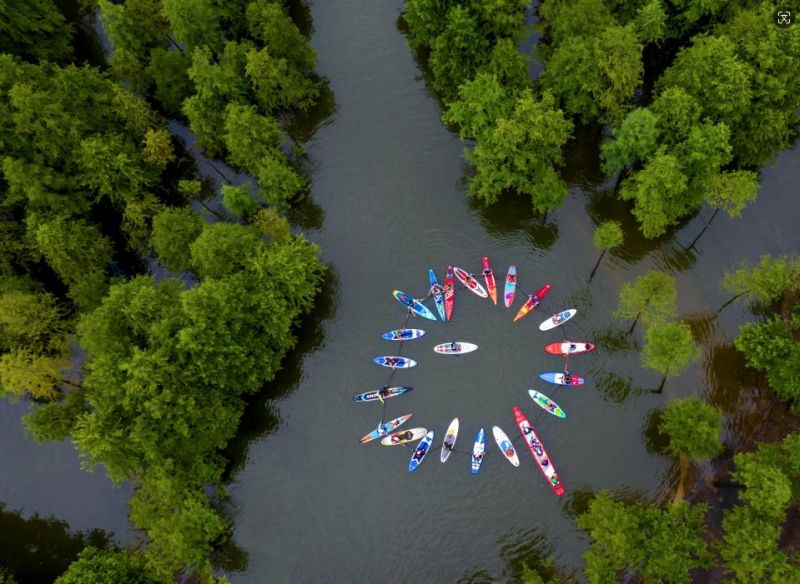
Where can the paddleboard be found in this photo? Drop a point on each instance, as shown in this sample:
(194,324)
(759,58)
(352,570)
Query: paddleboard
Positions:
(470,283)
(533,301)
(459,349)
(569,348)
(488,277)
(385,428)
(478,449)
(511,286)
(538,452)
(546,404)
(413,305)
(449,293)
(373,395)
(395,362)
(404,436)
(449,440)
(557,319)
(419,454)
(403,334)
(505,446)
(557,378)
(438,296)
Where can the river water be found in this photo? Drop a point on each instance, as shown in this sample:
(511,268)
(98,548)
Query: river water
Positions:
(310,504)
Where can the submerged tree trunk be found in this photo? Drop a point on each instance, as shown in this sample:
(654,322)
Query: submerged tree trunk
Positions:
(635,320)
(680,492)
(727,303)
(600,259)
(707,225)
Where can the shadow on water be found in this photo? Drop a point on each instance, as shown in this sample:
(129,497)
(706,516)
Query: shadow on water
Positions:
(614,341)
(616,389)
(38,550)
(302,126)
(602,206)
(582,158)
(519,549)
(655,441)
(513,214)
(260,416)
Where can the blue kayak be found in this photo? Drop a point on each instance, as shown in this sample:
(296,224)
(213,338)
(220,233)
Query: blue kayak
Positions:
(395,362)
(403,334)
(558,378)
(438,295)
(420,452)
(413,305)
(478,448)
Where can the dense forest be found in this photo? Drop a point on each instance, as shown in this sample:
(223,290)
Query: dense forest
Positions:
(692,99)
(146,373)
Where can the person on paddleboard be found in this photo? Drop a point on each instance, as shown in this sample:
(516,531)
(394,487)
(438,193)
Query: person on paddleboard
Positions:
(453,346)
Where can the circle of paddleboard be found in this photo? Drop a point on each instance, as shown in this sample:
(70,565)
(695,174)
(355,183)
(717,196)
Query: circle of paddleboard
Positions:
(403,334)
(470,283)
(538,452)
(488,277)
(420,452)
(385,428)
(557,378)
(395,362)
(449,440)
(449,293)
(404,436)
(546,404)
(569,348)
(478,449)
(374,394)
(511,286)
(413,305)
(438,294)
(505,446)
(532,302)
(459,349)
(557,319)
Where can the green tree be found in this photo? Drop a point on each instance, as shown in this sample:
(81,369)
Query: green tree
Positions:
(669,349)
(481,102)
(520,153)
(766,282)
(426,20)
(693,428)
(650,297)
(636,139)
(222,249)
(651,22)
(174,230)
(458,52)
(196,22)
(272,224)
(79,254)
(660,195)
(35,29)
(660,545)
(95,566)
(772,347)
(730,192)
(607,236)
(169,71)
(238,200)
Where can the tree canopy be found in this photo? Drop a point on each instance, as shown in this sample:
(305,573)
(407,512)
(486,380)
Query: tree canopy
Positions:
(669,348)
(693,428)
(650,297)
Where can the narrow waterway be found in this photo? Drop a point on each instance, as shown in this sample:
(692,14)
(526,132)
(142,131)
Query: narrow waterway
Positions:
(308,503)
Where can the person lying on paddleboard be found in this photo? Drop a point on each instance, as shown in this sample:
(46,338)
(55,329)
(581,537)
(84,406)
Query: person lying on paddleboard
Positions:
(454,346)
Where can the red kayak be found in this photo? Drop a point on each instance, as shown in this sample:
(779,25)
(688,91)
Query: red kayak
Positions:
(449,293)
(532,302)
(538,452)
(569,348)
(488,277)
